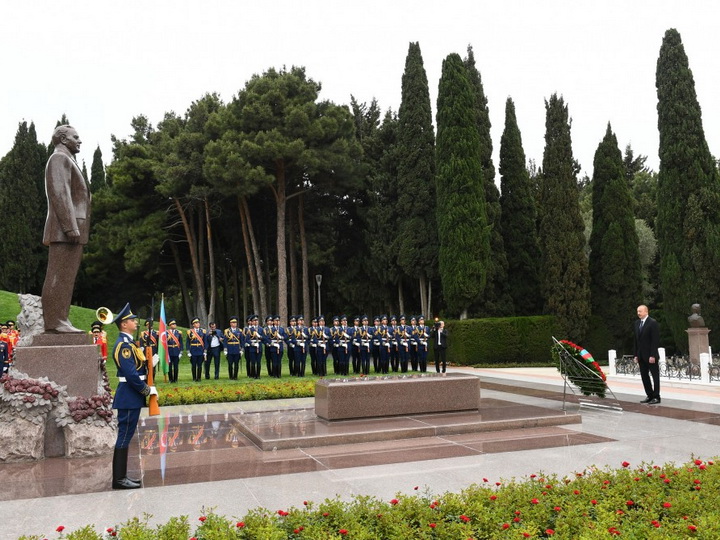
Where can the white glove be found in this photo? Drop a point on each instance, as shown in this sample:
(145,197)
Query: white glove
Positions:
(153,391)
(187,354)
(156,359)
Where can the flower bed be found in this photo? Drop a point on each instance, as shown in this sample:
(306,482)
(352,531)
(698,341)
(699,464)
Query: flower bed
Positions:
(177,395)
(648,501)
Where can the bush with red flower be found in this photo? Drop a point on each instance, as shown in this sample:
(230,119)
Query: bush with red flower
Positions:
(578,365)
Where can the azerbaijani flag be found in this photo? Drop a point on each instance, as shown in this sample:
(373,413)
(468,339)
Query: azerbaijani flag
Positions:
(163,347)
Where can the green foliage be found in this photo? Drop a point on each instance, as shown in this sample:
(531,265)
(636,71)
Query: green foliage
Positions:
(23,207)
(615,266)
(97,171)
(521,340)
(416,244)
(496,300)
(659,502)
(518,222)
(688,220)
(564,266)
(224,393)
(463,228)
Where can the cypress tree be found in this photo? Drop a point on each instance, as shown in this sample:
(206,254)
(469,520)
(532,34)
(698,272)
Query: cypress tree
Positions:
(23,208)
(463,230)
(417,243)
(519,214)
(615,269)
(561,232)
(495,301)
(688,221)
(97,171)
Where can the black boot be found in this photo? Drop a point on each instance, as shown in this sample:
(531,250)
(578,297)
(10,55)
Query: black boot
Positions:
(119,469)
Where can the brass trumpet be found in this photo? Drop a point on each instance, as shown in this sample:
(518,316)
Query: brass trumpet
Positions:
(104,315)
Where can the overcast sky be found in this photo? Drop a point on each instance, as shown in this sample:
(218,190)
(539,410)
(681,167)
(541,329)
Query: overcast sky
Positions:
(102,63)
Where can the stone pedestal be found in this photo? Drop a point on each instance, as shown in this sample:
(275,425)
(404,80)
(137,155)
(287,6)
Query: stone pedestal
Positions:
(374,397)
(698,343)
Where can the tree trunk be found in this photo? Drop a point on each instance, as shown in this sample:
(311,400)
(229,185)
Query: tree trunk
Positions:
(236,297)
(281,203)
(194,259)
(211,315)
(401,298)
(423,296)
(463,314)
(304,259)
(244,293)
(429,298)
(254,267)
(182,281)
(292,223)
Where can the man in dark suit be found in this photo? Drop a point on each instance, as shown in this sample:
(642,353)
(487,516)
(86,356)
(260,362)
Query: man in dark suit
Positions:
(440,336)
(66,228)
(647,341)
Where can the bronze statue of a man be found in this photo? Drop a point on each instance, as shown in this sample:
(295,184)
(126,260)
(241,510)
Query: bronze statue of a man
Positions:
(67,228)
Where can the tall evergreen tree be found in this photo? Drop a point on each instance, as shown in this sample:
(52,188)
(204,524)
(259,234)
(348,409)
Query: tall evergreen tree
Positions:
(495,301)
(519,214)
(688,221)
(97,171)
(23,208)
(564,264)
(615,270)
(417,239)
(462,222)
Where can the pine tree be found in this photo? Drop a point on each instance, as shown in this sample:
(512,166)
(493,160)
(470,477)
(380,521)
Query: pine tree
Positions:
(519,214)
(97,171)
(23,207)
(615,269)
(462,222)
(564,265)
(688,221)
(416,243)
(495,300)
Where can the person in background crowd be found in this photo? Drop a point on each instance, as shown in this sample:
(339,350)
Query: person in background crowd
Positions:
(363,338)
(343,348)
(355,347)
(423,334)
(376,341)
(313,345)
(149,339)
(335,342)
(413,343)
(196,345)
(100,339)
(175,348)
(214,348)
(233,347)
(394,350)
(302,344)
(253,347)
(290,337)
(403,340)
(323,342)
(440,338)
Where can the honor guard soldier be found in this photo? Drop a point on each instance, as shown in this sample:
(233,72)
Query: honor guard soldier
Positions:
(313,346)
(266,342)
(130,394)
(344,347)
(253,347)
(196,345)
(323,342)
(384,363)
(290,336)
(354,347)
(302,341)
(413,343)
(335,337)
(99,338)
(394,351)
(233,348)
(149,339)
(423,334)
(376,342)
(280,349)
(363,339)
(214,348)
(175,348)
(403,341)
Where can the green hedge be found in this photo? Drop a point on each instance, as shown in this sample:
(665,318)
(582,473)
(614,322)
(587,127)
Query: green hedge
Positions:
(517,340)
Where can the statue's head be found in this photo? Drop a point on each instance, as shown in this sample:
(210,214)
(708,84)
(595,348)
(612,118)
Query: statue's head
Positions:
(68,136)
(695,308)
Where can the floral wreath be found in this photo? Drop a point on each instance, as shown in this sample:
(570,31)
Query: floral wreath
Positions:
(577,371)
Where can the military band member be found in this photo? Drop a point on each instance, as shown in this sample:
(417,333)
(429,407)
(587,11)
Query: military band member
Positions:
(394,351)
(313,345)
(344,340)
(335,340)
(196,345)
(423,334)
(266,342)
(402,335)
(233,338)
(175,349)
(413,343)
(302,339)
(129,396)
(253,347)
(290,336)
(363,338)
(277,349)
(385,338)
(375,333)
(323,342)
(149,340)
(354,347)
(99,338)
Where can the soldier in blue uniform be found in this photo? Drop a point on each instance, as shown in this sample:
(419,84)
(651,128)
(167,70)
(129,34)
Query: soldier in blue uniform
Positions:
(354,347)
(4,356)
(323,342)
(413,343)
(290,336)
(149,339)
(375,332)
(313,345)
(278,349)
(363,339)
(302,342)
(394,350)
(384,360)
(335,339)
(253,347)
(175,348)
(423,334)
(130,394)
(403,341)
(267,342)
(196,345)
(344,347)
(233,348)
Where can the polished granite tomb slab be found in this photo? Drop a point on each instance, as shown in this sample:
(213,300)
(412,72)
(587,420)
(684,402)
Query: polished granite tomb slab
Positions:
(396,395)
